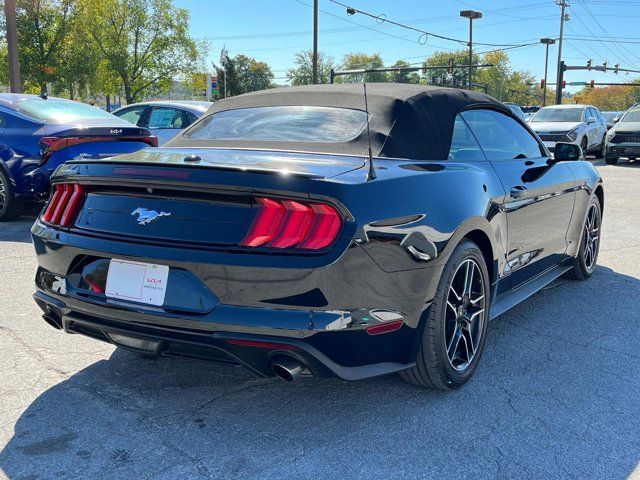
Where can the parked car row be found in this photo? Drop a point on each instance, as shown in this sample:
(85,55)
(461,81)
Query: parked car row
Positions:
(39,133)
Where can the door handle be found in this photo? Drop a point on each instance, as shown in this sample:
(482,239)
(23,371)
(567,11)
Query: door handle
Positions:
(518,191)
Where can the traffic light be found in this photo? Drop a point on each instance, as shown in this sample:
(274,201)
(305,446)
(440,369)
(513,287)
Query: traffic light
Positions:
(589,63)
(424,69)
(564,84)
(617,68)
(593,83)
(450,67)
(542,85)
(604,64)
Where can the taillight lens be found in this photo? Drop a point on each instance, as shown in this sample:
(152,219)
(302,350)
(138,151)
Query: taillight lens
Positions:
(65,204)
(49,145)
(293,224)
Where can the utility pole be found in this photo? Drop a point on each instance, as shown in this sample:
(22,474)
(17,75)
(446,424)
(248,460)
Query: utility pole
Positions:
(547,42)
(471,15)
(563,4)
(315,42)
(12,44)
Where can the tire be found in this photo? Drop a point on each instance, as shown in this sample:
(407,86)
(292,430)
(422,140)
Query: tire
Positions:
(611,160)
(10,206)
(599,153)
(585,263)
(436,367)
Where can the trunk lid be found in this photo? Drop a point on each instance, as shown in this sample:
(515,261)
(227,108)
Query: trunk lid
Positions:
(155,196)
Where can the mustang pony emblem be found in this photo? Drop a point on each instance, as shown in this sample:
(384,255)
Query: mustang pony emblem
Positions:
(145,216)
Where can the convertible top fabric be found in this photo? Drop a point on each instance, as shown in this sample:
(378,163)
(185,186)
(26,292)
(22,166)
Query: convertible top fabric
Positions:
(407,121)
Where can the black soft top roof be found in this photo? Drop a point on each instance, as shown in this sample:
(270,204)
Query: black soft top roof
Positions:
(407,121)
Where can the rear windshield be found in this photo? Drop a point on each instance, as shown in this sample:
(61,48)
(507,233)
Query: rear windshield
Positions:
(632,116)
(282,124)
(61,111)
(558,115)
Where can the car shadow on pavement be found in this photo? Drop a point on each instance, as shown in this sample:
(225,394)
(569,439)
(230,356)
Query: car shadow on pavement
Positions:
(556,396)
(17,230)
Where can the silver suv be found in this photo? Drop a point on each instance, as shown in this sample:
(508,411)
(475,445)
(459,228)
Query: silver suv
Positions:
(582,125)
(623,139)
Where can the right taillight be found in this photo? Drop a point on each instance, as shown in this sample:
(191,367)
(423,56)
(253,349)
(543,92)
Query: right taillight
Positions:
(293,224)
(65,204)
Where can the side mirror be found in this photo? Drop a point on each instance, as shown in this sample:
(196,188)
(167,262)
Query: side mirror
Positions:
(591,120)
(616,119)
(567,152)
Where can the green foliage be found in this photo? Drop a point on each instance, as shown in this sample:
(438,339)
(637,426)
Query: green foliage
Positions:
(301,73)
(145,42)
(403,76)
(244,74)
(43,26)
(357,61)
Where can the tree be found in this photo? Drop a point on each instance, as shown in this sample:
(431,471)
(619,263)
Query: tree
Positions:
(244,74)
(43,26)
(301,73)
(145,42)
(357,61)
(457,77)
(403,76)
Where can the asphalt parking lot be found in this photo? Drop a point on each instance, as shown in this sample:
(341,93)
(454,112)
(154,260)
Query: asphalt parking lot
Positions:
(557,394)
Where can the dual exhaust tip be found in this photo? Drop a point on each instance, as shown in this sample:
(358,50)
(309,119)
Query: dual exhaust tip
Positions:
(287,368)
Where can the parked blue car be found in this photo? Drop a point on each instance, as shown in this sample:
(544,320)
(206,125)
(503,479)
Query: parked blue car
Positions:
(38,133)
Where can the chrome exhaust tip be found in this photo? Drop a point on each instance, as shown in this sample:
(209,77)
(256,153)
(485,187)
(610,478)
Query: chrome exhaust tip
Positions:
(287,368)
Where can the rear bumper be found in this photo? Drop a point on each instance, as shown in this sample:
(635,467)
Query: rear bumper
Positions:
(247,347)
(319,313)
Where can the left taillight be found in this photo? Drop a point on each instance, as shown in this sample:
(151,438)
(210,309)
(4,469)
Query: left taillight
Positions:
(49,145)
(65,204)
(282,223)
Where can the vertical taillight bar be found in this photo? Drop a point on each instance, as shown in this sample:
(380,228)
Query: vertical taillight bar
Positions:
(65,204)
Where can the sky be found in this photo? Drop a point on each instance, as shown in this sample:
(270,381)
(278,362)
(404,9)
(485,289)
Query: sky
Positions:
(273,31)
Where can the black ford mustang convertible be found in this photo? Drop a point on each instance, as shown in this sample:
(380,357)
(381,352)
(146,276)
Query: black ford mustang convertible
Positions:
(267,236)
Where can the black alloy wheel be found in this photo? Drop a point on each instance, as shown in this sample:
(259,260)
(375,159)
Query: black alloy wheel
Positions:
(454,335)
(10,206)
(587,259)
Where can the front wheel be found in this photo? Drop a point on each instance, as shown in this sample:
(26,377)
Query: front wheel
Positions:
(454,336)
(10,206)
(611,160)
(585,263)
(600,151)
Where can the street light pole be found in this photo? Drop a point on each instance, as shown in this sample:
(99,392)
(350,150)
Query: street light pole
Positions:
(315,42)
(471,15)
(563,4)
(546,42)
(12,45)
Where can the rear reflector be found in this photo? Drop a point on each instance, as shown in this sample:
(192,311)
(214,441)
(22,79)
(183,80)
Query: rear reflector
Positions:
(293,224)
(384,327)
(65,203)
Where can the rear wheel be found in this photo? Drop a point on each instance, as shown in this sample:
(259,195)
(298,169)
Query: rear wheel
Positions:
(587,259)
(600,151)
(10,206)
(453,338)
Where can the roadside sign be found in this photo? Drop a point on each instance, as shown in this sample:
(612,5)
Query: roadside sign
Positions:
(577,84)
(212,87)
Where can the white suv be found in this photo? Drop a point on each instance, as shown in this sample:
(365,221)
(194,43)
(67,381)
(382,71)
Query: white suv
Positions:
(582,125)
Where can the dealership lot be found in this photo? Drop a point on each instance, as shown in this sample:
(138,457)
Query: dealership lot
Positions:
(556,395)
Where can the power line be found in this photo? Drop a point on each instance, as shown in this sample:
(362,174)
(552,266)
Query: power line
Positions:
(422,39)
